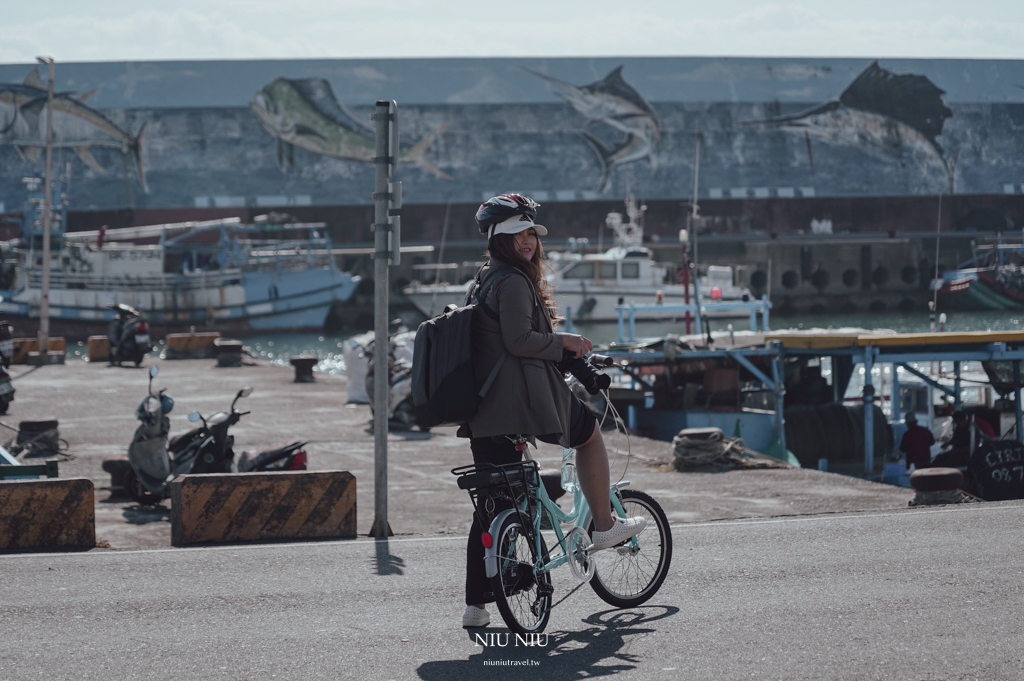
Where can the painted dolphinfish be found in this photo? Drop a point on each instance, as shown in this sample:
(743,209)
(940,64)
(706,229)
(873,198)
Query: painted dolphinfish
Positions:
(305,113)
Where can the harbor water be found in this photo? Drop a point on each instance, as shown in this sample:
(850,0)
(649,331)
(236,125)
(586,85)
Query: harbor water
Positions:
(280,348)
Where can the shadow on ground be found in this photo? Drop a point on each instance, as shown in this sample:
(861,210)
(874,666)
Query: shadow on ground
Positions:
(600,649)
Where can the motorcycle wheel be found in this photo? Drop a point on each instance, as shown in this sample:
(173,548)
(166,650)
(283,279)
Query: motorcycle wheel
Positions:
(136,491)
(5,402)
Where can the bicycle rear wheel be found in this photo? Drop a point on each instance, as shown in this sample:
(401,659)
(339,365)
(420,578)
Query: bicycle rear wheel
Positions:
(625,576)
(522,594)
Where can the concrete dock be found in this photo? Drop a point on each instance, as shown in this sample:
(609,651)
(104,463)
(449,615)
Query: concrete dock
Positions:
(95,405)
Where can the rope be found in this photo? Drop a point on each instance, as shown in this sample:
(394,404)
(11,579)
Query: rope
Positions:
(947,496)
(717,452)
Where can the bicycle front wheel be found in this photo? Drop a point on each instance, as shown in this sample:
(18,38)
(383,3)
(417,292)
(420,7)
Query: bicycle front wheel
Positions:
(626,576)
(523,595)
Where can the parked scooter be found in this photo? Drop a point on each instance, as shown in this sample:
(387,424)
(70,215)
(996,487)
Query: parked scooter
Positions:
(6,354)
(128,335)
(155,461)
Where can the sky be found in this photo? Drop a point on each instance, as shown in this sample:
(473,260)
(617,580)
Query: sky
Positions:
(122,30)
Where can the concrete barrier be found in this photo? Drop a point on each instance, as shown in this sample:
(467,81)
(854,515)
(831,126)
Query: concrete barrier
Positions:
(23,346)
(190,345)
(238,507)
(47,514)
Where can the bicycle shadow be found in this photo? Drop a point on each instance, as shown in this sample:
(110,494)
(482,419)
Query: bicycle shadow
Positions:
(601,649)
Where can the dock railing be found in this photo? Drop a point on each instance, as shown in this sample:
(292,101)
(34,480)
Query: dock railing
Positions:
(627,313)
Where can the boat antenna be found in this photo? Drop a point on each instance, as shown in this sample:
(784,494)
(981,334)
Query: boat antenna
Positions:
(440,258)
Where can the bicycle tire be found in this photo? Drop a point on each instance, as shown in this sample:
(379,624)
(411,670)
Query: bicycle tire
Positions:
(627,580)
(517,587)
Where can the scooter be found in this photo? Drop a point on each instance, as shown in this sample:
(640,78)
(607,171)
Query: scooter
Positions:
(128,335)
(155,461)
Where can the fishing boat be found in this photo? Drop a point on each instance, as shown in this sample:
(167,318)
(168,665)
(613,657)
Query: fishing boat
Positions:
(591,286)
(993,279)
(218,275)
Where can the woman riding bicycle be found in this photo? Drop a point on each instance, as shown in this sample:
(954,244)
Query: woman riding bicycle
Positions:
(529,397)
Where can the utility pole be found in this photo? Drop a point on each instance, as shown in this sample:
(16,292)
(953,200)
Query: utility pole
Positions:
(387,201)
(44,303)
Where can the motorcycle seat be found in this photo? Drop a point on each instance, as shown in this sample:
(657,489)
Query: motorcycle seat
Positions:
(259,460)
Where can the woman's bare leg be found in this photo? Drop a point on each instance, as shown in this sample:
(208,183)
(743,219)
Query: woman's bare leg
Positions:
(592,468)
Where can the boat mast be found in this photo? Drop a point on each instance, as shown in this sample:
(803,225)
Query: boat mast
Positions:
(44,306)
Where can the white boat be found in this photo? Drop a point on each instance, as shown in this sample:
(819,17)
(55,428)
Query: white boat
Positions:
(590,286)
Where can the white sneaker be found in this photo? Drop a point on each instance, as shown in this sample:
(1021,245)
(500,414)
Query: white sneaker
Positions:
(623,529)
(475,617)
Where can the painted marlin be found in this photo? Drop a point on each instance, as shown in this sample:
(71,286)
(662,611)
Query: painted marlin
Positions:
(23,114)
(615,103)
(306,114)
(882,114)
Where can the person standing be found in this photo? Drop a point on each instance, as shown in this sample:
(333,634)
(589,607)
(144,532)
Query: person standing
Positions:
(917,443)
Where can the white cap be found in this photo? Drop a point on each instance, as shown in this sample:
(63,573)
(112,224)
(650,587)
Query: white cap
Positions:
(514,225)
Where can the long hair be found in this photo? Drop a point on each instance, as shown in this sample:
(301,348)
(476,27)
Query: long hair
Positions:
(503,247)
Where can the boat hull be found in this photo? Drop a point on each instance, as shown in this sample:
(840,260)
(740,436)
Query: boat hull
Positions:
(254,303)
(977,293)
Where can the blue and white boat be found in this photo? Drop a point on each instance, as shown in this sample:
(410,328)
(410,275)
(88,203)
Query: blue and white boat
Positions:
(217,275)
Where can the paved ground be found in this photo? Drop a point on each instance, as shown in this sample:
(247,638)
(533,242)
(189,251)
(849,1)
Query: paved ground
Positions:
(95,405)
(923,594)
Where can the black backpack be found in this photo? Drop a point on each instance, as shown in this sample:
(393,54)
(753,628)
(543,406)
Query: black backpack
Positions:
(443,386)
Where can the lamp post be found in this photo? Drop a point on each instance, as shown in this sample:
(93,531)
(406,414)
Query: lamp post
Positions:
(44,303)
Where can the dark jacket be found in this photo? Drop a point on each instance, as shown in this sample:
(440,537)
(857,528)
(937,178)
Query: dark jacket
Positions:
(529,395)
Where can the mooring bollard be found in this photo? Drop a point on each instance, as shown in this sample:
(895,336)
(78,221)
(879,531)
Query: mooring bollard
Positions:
(304,368)
(229,352)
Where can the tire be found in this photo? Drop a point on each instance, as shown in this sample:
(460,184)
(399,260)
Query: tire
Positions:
(5,402)
(136,491)
(525,604)
(627,579)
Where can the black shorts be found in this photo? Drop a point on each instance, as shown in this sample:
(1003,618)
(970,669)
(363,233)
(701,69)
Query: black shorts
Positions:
(499,449)
(581,425)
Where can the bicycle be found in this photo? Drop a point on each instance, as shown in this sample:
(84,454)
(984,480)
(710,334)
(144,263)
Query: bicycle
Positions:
(512,502)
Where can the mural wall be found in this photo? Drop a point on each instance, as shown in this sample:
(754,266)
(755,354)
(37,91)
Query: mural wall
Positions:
(278,133)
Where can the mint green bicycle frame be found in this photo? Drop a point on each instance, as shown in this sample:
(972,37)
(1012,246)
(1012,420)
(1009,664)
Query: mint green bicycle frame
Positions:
(579,515)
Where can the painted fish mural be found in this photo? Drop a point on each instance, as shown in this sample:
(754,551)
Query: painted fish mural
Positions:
(23,113)
(306,114)
(613,102)
(883,114)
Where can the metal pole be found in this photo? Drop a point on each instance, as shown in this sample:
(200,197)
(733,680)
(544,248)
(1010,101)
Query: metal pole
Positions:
(779,377)
(894,400)
(381,342)
(869,413)
(44,302)
(1018,417)
(957,405)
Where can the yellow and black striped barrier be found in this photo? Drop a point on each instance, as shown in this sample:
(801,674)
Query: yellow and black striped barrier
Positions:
(245,507)
(47,514)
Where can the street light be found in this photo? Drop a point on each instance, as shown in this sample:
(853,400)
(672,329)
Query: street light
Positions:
(44,303)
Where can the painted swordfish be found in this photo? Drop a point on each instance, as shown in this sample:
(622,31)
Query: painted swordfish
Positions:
(306,114)
(23,113)
(615,103)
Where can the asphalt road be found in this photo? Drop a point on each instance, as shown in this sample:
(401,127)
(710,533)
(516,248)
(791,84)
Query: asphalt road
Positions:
(915,594)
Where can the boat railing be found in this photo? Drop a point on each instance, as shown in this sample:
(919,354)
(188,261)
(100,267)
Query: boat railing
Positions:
(627,313)
(146,282)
